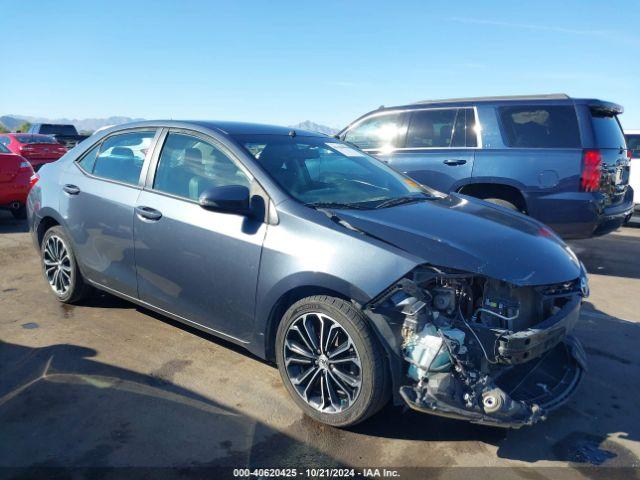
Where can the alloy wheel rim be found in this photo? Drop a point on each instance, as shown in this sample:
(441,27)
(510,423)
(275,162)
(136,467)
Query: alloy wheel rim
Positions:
(57,265)
(322,363)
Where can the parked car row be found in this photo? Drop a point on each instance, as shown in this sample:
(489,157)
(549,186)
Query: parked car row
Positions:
(23,154)
(561,160)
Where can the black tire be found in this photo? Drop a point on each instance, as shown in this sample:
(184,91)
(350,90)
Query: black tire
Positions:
(77,289)
(20,213)
(374,390)
(503,203)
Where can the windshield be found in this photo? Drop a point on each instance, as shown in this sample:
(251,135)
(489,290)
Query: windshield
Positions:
(326,172)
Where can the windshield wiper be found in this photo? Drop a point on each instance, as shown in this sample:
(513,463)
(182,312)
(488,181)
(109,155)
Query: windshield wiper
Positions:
(392,202)
(354,206)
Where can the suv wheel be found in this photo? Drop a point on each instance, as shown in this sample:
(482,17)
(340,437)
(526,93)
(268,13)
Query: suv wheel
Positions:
(60,268)
(331,362)
(503,203)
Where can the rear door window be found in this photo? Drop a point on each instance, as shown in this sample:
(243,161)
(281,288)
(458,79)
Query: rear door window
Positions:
(540,126)
(607,130)
(432,128)
(378,132)
(121,156)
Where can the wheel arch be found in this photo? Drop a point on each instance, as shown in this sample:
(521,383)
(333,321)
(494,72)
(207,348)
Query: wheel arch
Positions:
(490,188)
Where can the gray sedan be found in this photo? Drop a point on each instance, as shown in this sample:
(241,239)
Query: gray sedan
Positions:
(361,285)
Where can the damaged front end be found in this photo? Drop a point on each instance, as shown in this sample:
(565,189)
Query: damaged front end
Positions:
(484,350)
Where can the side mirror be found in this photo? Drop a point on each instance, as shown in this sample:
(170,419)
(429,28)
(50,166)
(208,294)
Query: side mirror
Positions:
(226,199)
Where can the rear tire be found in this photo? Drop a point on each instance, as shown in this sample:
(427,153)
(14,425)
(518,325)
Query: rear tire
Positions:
(60,268)
(20,213)
(503,203)
(347,354)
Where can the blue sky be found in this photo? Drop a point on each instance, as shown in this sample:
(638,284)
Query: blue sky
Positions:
(330,61)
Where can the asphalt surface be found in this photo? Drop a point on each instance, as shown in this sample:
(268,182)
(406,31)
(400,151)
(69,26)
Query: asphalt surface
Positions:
(110,384)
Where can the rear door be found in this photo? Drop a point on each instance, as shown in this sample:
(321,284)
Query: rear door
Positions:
(439,147)
(197,264)
(98,197)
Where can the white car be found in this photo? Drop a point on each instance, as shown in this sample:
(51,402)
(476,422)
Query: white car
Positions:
(633,143)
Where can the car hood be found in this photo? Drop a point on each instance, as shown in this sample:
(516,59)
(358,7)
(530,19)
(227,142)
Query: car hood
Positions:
(468,234)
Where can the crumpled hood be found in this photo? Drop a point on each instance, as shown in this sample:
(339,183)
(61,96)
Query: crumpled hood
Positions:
(471,235)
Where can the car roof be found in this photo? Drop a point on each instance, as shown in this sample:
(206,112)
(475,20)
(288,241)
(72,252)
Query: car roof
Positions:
(224,127)
(631,132)
(510,99)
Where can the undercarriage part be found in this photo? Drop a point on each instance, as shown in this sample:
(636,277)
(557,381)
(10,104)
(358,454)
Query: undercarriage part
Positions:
(483,350)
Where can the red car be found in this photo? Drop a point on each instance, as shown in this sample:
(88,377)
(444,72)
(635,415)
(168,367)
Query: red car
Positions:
(16,179)
(38,149)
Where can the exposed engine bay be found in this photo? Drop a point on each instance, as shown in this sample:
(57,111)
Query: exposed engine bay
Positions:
(484,350)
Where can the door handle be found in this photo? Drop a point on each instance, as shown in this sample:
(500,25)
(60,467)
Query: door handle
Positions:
(148,213)
(71,189)
(454,161)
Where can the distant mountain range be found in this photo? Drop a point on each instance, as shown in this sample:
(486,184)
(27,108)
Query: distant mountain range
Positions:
(12,122)
(315,127)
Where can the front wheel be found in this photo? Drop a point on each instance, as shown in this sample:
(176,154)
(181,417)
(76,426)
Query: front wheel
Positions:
(60,268)
(331,362)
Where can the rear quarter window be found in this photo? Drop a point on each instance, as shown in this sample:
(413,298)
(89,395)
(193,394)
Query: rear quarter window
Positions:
(540,126)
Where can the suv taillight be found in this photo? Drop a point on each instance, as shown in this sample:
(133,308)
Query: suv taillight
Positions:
(591,170)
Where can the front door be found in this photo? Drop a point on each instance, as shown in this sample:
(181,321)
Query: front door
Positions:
(195,263)
(438,150)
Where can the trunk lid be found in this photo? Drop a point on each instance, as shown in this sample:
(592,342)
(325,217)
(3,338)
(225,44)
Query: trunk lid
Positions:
(38,151)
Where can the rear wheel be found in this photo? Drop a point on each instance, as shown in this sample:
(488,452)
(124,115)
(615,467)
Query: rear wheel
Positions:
(331,362)
(60,268)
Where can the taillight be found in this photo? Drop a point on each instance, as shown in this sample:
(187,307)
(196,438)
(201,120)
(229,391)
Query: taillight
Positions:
(24,165)
(33,180)
(629,153)
(591,170)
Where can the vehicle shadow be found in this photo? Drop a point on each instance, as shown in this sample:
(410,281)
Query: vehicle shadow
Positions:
(582,432)
(8,224)
(61,407)
(602,255)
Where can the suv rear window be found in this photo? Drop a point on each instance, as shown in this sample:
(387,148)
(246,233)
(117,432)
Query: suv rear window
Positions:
(607,130)
(540,126)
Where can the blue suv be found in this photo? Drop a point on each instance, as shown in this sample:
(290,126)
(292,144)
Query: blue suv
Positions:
(561,160)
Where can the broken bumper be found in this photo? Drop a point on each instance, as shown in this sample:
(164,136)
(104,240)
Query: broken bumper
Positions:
(528,390)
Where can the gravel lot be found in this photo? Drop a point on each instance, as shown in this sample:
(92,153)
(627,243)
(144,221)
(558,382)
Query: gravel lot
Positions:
(110,384)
